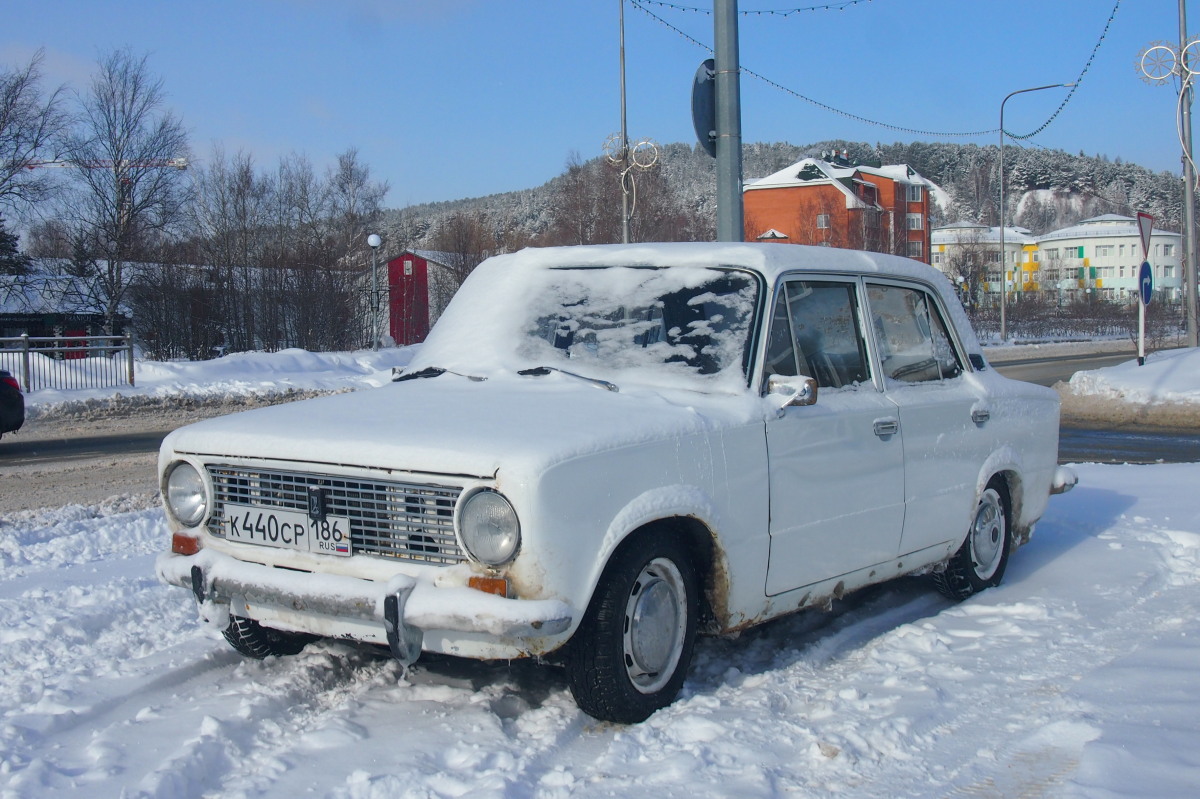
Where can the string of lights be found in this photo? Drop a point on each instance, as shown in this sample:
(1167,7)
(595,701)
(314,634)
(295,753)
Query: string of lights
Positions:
(782,12)
(641,5)
(1078,80)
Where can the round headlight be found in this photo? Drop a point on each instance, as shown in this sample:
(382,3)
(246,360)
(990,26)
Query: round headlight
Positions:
(489,528)
(186,497)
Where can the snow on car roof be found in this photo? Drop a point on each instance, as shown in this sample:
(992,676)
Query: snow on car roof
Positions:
(466,334)
(769,259)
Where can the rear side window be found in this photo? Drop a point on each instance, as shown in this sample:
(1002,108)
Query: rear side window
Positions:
(914,342)
(815,332)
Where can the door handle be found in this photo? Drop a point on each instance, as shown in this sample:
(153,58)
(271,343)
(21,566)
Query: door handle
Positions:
(888,426)
(980,416)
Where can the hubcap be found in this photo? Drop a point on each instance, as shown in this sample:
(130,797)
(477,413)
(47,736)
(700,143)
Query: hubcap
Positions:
(655,621)
(987,535)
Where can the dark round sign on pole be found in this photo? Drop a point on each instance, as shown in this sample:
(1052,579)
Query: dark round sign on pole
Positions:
(1146,283)
(704,106)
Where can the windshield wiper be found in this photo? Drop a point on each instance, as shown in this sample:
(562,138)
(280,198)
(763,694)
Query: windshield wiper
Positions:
(430,371)
(542,371)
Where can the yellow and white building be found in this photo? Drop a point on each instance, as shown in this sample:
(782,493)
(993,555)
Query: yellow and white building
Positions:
(1100,256)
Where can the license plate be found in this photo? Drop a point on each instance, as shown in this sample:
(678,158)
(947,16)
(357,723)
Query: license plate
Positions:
(286,529)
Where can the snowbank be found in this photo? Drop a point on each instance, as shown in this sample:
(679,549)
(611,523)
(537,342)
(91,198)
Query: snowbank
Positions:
(1165,392)
(239,376)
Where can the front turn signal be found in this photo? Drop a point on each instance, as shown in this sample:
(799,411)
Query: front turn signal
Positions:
(489,585)
(184,544)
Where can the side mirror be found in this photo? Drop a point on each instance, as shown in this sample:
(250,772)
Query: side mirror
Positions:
(794,391)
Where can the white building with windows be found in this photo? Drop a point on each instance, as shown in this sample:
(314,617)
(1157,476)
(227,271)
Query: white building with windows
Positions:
(1100,256)
(1104,254)
(962,247)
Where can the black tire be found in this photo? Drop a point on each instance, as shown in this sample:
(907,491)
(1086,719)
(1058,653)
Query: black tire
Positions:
(256,641)
(632,650)
(983,557)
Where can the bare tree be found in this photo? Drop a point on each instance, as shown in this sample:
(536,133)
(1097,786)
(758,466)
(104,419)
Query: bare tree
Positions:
(231,214)
(465,241)
(48,238)
(30,122)
(966,265)
(355,201)
(124,147)
(587,202)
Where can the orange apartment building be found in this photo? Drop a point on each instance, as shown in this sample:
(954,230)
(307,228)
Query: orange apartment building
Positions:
(839,204)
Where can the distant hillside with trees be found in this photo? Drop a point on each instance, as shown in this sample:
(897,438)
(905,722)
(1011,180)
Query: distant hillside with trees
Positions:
(1046,190)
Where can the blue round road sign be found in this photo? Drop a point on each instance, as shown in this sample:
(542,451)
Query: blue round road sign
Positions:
(1146,282)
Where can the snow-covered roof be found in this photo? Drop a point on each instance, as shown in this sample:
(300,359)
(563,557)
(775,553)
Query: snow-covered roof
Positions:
(47,294)
(436,256)
(814,170)
(810,172)
(772,235)
(1105,226)
(964,232)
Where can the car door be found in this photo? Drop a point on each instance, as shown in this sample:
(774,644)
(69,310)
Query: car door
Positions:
(836,467)
(942,417)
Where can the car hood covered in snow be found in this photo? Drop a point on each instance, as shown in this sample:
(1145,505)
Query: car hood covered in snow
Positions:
(452,425)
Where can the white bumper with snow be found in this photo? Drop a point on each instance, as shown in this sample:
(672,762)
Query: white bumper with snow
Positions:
(398,612)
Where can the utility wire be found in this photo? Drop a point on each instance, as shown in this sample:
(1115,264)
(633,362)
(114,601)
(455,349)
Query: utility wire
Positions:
(1078,80)
(784,12)
(640,5)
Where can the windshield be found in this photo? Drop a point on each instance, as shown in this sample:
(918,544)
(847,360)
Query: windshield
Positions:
(643,323)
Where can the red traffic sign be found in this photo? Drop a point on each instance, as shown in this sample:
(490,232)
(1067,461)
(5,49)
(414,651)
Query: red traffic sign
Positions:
(1145,228)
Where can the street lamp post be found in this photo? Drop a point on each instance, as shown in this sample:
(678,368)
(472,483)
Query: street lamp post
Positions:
(1003,260)
(374,241)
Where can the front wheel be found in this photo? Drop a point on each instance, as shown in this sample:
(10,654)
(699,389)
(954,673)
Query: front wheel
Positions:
(632,650)
(256,641)
(983,557)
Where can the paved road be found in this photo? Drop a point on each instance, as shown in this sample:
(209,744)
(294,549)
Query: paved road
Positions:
(1076,445)
(15,452)
(1048,371)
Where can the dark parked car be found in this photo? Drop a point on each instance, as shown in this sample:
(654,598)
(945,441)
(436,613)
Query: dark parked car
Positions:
(12,404)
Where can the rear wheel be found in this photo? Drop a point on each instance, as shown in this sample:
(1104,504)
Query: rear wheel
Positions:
(631,652)
(981,560)
(256,641)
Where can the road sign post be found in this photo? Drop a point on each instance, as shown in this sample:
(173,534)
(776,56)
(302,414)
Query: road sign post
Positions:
(1145,294)
(1145,282)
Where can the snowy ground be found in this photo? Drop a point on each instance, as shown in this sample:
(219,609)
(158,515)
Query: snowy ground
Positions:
(1077,677)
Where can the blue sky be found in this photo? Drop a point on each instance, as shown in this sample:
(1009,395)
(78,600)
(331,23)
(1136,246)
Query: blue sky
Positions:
(460,98)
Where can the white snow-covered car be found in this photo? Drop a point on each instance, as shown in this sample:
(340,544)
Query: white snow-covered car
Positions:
(601,451)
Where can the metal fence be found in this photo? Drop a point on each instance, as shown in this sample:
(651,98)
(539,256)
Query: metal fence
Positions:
(66,362)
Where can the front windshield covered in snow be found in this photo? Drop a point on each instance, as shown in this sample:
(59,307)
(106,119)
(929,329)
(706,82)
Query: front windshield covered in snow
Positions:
(694,323)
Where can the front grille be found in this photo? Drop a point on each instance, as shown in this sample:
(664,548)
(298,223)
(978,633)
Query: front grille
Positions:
(396,520)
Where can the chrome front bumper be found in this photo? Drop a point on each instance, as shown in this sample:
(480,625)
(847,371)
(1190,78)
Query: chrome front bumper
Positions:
(399,610)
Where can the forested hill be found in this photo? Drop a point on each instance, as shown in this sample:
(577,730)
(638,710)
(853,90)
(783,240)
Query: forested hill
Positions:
(1046,189)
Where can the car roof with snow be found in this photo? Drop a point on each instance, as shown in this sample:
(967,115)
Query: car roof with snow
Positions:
(501,275)
(771,260)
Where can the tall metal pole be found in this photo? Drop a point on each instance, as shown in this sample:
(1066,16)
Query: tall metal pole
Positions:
(1003,258)
(373,241)
(1189,184)
(624,139)
(730,226)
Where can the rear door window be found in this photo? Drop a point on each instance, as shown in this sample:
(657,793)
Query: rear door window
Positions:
(913,339)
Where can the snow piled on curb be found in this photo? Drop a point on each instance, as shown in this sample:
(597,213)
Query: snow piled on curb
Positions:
(244,378)
(1166,377)
(1165,392)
